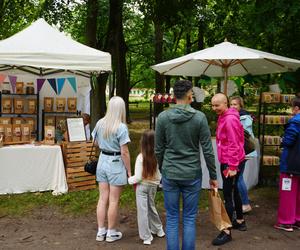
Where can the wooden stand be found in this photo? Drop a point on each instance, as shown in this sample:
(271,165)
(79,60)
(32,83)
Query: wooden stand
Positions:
(76,154)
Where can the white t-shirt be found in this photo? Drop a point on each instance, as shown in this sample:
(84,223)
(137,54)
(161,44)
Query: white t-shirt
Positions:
(138,171)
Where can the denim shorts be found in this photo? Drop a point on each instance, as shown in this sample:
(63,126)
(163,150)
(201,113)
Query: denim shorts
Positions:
(110,169)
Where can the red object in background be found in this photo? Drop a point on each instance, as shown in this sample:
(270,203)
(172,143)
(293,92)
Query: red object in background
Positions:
(155,98)
(169,99)
(134,187)
(174,99)
(162,99)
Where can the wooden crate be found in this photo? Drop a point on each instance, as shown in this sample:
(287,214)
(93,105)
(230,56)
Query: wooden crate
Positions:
(76,154)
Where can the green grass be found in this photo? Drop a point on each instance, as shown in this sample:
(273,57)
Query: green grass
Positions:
(84,202)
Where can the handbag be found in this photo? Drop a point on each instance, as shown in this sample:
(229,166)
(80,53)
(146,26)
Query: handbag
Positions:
(249,142)
(91,165)
(217,211)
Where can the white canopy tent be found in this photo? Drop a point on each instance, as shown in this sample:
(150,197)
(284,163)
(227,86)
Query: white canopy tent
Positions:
(41,49)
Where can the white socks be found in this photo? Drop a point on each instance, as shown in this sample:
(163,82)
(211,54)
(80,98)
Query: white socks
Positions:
(111,231)
(101,230)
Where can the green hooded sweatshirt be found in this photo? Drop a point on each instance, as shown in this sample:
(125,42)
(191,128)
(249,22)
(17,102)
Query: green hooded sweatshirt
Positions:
(180,134)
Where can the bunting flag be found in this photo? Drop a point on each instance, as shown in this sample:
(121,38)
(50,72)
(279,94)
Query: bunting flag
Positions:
(72,81)
(52,82)
(13,80)
(40,83)
(60,84)
(2,77)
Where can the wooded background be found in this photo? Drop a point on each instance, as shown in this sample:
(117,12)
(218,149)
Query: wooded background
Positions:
(141,33)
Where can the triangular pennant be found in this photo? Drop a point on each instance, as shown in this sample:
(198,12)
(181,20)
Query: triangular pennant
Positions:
(60,84)
(13,80)
(72,81)
(40,82)
(52,82)
(2,77)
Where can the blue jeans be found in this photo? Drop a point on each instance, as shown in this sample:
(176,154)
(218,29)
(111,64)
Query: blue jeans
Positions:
(190,191)
(242,187)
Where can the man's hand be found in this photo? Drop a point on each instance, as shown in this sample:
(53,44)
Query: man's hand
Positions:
(213,184)
(231,173)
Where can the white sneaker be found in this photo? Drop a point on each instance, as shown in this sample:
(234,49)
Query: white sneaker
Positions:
(113,237)
(148,241)
(161,233)
(100,237)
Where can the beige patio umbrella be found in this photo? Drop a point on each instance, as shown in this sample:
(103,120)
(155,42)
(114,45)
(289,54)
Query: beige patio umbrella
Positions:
(227,59)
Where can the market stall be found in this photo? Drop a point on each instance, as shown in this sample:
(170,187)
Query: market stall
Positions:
(44,79)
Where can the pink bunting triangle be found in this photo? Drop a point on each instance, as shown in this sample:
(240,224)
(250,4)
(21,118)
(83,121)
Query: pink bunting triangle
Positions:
(2,77)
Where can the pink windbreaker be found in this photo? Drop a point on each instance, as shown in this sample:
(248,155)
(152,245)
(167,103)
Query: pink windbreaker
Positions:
(230,139)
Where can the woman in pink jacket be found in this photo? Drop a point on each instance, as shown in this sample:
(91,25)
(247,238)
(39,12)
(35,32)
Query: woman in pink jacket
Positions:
(231,155)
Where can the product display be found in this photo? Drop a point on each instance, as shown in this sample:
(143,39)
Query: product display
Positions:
(29,88)
(6,105)
(18,105)
(269,97)
(48,104)
(16,131)
(19,87)
(31,107)
(25,131)
(5,120)
(72,104)
(50,120)
(49,134)
(60,104)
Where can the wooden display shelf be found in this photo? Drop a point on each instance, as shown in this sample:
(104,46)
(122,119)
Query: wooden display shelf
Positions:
(76,154)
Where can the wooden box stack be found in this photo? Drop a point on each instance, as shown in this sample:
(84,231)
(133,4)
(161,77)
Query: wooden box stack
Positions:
(76,154)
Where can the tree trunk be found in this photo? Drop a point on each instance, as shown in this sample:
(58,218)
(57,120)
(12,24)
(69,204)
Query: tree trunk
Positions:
(159,79)
(117,47)
(98,84)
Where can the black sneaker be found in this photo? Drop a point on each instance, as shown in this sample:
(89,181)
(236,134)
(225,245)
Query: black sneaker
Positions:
(239,226)
(222,238)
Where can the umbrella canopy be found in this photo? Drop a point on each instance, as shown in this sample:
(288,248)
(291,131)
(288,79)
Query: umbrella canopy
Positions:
(227,59)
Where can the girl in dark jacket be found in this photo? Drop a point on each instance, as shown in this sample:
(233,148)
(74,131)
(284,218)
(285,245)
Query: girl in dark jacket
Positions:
(288,217)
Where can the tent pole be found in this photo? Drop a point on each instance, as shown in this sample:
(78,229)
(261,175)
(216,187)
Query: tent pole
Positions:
(225,80)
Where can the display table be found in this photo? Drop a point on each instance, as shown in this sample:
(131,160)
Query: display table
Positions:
(251,172)
(29,168)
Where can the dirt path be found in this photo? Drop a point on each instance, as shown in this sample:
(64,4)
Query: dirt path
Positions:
(48,229)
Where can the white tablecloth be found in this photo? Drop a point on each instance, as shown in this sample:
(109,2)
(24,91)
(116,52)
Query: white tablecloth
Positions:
(251,171)
(29,168)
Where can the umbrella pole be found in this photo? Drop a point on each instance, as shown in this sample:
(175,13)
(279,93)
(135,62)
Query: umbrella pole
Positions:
(225,80)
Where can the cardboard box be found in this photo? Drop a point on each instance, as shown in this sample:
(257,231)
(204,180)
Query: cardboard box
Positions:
(18,105)
(50,121)
(8,133)
(20,87)
(49,134)
(5,120)
(26,132)
(31,106)
(16,132)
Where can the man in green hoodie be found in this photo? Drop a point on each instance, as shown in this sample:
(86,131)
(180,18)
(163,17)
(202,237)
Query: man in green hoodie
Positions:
(180,132)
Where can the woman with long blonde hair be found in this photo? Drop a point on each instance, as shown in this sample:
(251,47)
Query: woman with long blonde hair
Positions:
(111,134)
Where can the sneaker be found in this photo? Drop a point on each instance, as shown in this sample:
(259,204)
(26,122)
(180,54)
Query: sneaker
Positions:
(246,209)
(222,238)
(239,226)
(296,225)
(148,241)
(100,237)
(113,237)
(285,227)
(160,233)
